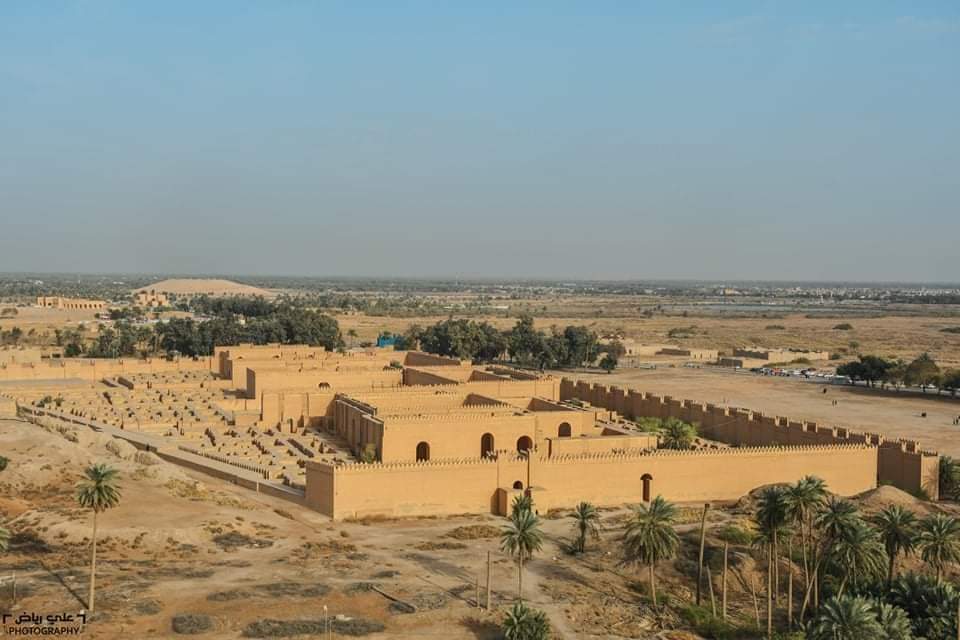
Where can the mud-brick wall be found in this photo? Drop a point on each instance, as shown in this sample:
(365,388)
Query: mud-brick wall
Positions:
(900,463)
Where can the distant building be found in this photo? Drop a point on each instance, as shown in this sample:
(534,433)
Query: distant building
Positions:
(151,299)
(70,304)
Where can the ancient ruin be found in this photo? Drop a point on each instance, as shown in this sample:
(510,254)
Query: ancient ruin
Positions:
(379,432)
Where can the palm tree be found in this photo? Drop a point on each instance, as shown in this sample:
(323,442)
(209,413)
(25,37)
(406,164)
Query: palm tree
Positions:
(803,500)
(939,541)
(524,623)
(834,518)
(521,538)
(586,522)
(857,552)
(771,520)
(650,537)
(676,434)
(522,502)
(98,492)
(846,619)
(898,531)
(949,478)
(894,622)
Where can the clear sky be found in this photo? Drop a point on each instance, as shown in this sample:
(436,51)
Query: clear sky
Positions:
(627,140)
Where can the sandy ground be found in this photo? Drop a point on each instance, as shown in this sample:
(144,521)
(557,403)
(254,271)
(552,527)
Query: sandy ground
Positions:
(890,336)
(888,413)
(184,543)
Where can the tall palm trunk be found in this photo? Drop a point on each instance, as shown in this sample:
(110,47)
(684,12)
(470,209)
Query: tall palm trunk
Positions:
(890,568)
(93,563)
(520,579)
(770,590)
(653,585)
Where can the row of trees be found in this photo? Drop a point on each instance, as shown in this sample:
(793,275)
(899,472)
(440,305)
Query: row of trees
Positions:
(571,346)
(189,337)
(922,372)
(848,562)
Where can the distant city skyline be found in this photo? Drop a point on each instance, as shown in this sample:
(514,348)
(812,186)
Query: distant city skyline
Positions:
(753,141)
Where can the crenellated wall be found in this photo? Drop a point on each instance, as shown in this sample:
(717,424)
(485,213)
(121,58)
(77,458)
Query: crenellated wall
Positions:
(453,486)
(94,369)
(901,463)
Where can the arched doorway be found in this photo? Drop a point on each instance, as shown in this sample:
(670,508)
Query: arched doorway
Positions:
(518,485)
(524,444)
(565,430)
(423,452)
(647,479)
(486,445)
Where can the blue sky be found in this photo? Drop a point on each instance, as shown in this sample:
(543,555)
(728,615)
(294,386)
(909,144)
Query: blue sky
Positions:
(628,140)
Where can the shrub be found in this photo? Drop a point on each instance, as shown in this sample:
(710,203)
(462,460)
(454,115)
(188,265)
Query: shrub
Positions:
(843,326)
(735,535)
(524,623)
(950,330)
(775,327)
(3,462)
(682,332)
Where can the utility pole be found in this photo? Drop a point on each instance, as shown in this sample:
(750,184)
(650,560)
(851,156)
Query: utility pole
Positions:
(488,581)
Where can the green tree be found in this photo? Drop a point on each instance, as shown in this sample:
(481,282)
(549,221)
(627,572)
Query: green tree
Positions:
(894,622)
(857,553)
(608,362)
(524,623)
(98,492)
(771,519)
(650,538)
(949,478)
(521,538)
(939,542)
(676,434)
(586,523)
(951,381)
(804,499)
(846,619)
(834,518)
(931,606)
(922,372)
(898,532)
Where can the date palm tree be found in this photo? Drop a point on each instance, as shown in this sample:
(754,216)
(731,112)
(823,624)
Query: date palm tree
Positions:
(804,499)
(771,521)
(521,538)
(97,492)
(834,518)
(857,553)
(846,619)
(650,538)
(898,531)
(894,622)
(524,623)
(939,542)
(586,523)
(676,434)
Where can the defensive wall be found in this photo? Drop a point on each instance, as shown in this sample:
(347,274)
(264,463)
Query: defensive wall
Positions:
(453,486)
(94,369)
(902,463)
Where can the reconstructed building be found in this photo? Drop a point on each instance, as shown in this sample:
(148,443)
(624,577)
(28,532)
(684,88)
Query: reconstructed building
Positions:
(70,304)
(150,298)
(391,433)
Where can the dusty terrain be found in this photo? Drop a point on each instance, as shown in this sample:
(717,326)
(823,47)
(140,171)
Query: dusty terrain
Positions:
(890,336)
(184,543)
(892,414)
